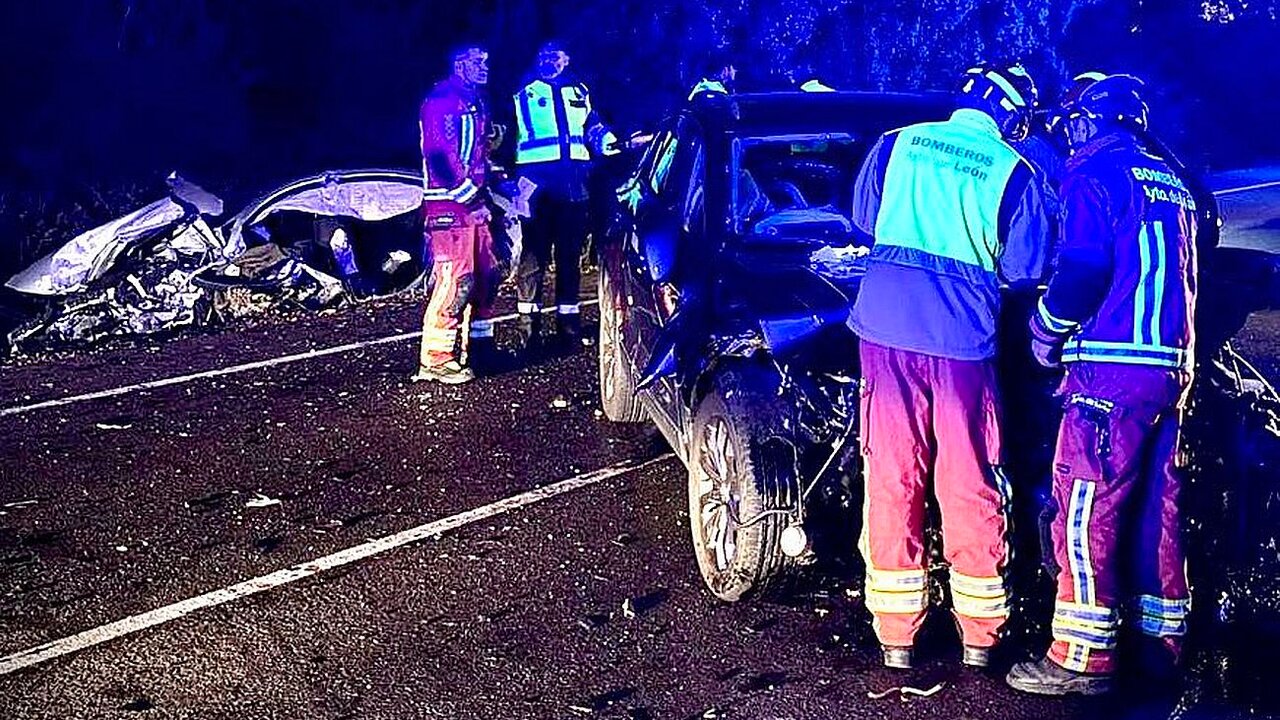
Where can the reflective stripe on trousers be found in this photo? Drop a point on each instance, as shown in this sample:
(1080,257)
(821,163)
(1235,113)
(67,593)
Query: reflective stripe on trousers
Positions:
(465,275)
(1115,463)
(926,416)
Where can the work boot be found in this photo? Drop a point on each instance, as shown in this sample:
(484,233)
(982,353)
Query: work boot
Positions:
(1046,677)
(569,330)
(976,657)
(896,657)
(486,357)
(449,373)
(1156,658)
(528,329)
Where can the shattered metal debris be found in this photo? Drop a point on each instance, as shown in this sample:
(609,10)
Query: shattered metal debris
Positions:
(313,244)
(560,402)
(113,426)
(628,609)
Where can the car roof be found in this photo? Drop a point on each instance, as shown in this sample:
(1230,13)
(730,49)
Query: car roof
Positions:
(780,113)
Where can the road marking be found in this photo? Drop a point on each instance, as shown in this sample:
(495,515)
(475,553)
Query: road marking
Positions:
(284,360)
(127,626)
(1246,188)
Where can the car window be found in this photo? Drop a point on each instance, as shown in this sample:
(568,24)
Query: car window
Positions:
(694,204)
(663,160)
(640,185)
(795,185)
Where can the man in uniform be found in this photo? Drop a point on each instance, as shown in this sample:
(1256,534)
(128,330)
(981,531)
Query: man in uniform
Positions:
(954,213)
(558,132)
(1119,313)
(465,274)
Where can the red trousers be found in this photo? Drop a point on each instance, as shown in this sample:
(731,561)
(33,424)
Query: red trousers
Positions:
(1116,532)
(930,419)
(465,274)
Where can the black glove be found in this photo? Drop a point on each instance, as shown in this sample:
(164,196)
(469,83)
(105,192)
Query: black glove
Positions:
(1046,345)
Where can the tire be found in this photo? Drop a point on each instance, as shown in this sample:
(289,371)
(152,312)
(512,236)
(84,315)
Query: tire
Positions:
(618,395)
(739,468)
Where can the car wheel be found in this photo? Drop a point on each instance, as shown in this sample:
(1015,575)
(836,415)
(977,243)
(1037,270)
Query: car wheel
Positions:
(618,395)
(738,469)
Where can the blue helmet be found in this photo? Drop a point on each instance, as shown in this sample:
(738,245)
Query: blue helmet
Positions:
(1115,99)
(1005,91)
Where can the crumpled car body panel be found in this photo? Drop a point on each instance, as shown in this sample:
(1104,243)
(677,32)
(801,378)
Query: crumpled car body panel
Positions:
(164,266)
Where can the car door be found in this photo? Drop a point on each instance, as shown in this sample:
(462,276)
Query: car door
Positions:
(661,226)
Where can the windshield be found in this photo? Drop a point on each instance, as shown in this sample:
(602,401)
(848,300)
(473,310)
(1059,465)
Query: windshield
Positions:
(795,186)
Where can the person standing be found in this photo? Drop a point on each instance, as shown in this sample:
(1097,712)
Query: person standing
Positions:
(953,212)
(719,74)
(558,133)
(465,274)
(1119,313)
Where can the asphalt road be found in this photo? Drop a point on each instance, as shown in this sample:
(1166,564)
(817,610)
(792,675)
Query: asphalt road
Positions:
(581,601)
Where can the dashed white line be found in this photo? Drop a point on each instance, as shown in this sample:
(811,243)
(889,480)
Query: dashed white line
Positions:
(218,372)
(159,616)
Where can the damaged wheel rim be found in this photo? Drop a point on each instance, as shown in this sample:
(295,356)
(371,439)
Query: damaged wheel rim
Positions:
(718,499)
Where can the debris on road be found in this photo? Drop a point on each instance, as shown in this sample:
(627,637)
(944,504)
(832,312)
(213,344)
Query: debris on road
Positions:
(260,501)
(628,609)
(560,402)
(20,504)
(113,426)
(593,621)
(905,691)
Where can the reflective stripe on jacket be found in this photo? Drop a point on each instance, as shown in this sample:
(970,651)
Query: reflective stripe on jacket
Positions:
(708,86)
(954,211)
(1125,284)
(453,125)
(554,121)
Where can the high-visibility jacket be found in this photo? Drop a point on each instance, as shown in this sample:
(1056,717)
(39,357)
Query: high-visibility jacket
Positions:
(555,121)
(954,212)
(453,123)
(1125,283)
(708,86)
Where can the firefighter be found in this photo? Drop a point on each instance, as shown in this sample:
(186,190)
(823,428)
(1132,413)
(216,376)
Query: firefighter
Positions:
(1118,313)
(953,212)
(454,124)
(558,133)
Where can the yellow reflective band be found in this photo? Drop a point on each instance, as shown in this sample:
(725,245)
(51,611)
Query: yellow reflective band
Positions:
(896,602)
(985,608)
(879,580)
(978,587)
(1090,640)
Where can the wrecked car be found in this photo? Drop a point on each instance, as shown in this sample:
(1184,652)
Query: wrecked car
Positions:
(724,289)
(723,295)
(312,243)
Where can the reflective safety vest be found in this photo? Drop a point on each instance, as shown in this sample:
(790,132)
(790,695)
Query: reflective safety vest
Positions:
(815,85)
(556,122)
(943,189)
(708,86)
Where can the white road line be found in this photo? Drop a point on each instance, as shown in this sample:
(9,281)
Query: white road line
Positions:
(1246,188)
(284,360)
(159,616)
